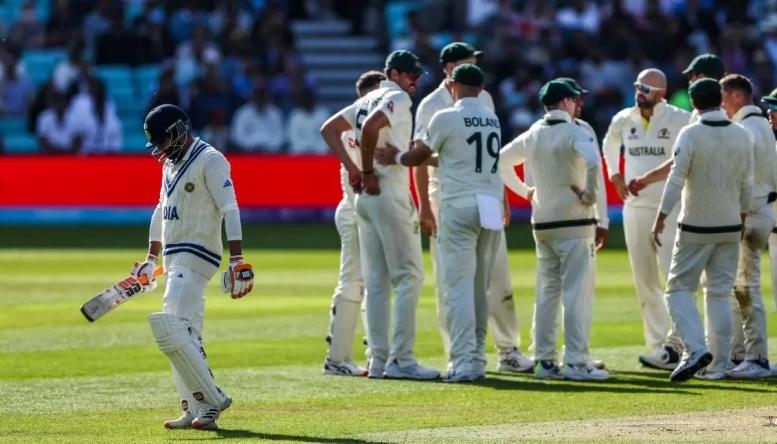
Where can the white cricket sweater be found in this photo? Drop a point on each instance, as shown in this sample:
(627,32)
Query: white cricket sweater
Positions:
(713,169)
(195,195)
(560,154)
(645,148)
(765,170)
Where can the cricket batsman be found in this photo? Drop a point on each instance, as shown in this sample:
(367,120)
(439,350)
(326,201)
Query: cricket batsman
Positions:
(390,239)
(713,172)
(504,323)
(197,195)
(466,139)
(647,131)
(566,166)
(749,350)
(603,220)
(349,293)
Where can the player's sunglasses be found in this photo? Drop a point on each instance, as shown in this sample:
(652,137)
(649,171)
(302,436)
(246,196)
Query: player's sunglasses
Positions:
(647,89)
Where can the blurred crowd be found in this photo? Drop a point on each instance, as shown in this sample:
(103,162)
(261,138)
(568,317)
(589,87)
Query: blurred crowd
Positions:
(233,65)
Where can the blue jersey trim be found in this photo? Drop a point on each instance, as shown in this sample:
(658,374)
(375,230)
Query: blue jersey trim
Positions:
(193,246)
(170,185)
(194,252)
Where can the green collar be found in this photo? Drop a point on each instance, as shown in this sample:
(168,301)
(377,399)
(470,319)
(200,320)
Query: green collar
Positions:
(716,122)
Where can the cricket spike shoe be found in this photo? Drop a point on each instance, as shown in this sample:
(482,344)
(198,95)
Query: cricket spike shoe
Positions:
(690,365)
(347,368)
(184,422)
(514,361)
(413,371)
(585,372)
(664,358)
(547,370)
(206,417)
(750,370)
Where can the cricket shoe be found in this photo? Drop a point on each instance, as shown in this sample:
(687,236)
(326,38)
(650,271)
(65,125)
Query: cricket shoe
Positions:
(547,370)
(454,376)
(709,375)
(664,358)
(375,370)
(412,371)
(585,373)
(514,361)
(206,417)
(347,368)
(750,370)
(690,365)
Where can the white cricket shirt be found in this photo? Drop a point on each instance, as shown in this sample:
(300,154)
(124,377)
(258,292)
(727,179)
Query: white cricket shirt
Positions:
(395,104)
(467,138)
(438,100)
(645,146)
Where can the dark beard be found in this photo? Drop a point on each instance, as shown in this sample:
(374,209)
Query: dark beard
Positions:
(646,104)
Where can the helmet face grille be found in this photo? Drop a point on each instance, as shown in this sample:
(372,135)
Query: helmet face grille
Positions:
(172,154)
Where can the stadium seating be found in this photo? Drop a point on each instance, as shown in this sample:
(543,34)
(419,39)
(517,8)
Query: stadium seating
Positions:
(20,143)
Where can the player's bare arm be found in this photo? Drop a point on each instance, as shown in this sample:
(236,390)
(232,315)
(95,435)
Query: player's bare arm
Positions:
(506,215)
(372,126)
(657,174)
(425,214)
(331,132)
(512,155)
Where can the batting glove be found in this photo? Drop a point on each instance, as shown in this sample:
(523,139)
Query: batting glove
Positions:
(238,279)
(146,269)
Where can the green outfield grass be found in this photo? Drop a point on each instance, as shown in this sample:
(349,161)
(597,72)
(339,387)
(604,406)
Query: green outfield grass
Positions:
(65,380)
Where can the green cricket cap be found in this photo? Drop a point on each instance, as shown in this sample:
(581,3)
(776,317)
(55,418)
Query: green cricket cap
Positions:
(453,52)
(556,91)
(468,74)
(405,61)
(573,83)
(708,64)
(703,88)
(771,99)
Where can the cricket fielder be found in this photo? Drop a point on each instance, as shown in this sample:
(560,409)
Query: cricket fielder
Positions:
(197,195)
(562,158)
(466,139)
(647,131)
(388,221)
(713,171)
(349,293)
(603,220)
(504,322)
(749,348)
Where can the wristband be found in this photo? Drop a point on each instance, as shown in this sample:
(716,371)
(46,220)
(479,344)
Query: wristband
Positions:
(151,257)
(368,172)
(398,158)
(237,259)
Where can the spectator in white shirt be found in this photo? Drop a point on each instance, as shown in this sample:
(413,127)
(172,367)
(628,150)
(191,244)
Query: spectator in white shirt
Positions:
(93,117)
(305,122)
(55,134)
(258,125)
(580,15)
(67,71)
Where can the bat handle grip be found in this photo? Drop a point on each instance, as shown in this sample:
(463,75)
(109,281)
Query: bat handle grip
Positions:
(157,271)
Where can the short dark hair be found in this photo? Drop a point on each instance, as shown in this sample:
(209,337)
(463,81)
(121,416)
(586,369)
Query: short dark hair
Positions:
(711,101)
(369,80)
(737,82)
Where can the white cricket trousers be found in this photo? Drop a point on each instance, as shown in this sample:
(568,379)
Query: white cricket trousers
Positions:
(748,314)
(185,297)
(503,320)
(566,269)
(392,257)
(649,264)
(719,262)
(773,262)
(467,252)
(349,293)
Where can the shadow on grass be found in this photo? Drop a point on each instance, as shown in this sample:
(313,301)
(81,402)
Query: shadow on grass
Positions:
(247,434)
(655,383)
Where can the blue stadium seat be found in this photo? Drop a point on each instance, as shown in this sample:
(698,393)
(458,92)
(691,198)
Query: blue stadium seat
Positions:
(20,143)
(440,39)
(41,63)
(12,125)
(396,21)
(115,75)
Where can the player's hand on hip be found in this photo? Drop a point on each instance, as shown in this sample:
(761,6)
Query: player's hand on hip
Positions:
(238,280)
(583,196)
(386,155)
(620,186)
(370,183)
(427,222)
(530,196)
(602,235)
(146,269)
(355,180)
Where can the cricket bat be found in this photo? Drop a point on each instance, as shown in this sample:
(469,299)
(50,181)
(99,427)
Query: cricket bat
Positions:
(115,295)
